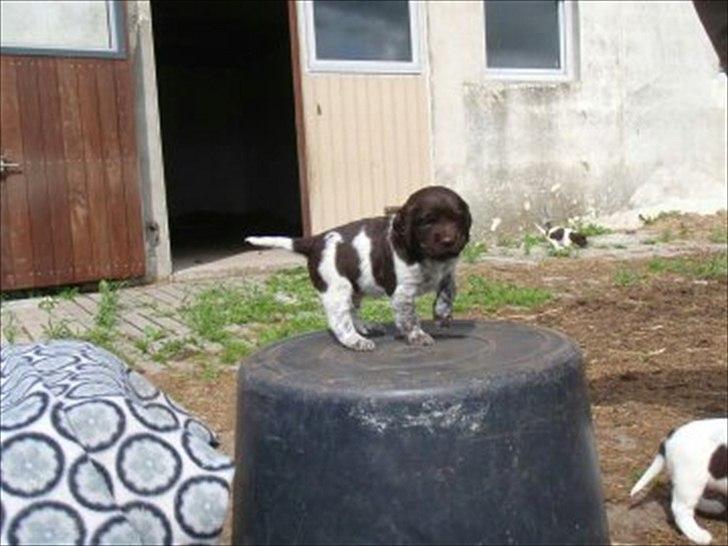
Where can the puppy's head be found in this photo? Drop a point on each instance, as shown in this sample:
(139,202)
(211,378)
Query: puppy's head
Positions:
(434,224)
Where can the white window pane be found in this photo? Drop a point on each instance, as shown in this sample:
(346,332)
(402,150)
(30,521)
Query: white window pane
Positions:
(80,24)
(522,34)
(362,30)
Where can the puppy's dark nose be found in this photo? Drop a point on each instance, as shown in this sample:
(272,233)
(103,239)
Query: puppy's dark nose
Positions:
(447,240)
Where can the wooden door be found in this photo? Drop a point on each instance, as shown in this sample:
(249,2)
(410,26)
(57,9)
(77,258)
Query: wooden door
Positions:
(71,208)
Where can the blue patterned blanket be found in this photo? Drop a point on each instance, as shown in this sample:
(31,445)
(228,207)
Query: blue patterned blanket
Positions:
(92,453)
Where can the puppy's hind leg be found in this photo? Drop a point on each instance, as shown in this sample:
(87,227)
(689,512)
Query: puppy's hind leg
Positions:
(337,302)
(364,327)
(685,498)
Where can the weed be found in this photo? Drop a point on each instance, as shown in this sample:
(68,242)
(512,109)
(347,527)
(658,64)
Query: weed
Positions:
(151,335)
(505,241)
(591,229)
(666,235)
(11,329)
(711,267)
(560,252)
(649,220)
(626,277)
(619,246)
(719,235)
(234,350)
(68,293)
(531,240)
(53,328)
(649,242)
(175,349)
(473,251)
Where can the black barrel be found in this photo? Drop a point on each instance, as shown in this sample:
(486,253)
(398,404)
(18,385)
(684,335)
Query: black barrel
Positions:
(483,438)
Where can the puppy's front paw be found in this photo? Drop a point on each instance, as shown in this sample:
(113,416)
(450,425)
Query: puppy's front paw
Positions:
(366,328)
(419,338)
(361,344)
(443,322)
(700,536)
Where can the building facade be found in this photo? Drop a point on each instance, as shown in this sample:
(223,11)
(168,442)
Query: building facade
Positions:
(252,116)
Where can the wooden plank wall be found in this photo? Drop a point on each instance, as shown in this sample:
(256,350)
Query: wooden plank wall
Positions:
(73,214)
(368,143)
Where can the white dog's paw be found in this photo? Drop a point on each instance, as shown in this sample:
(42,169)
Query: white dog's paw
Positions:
(419,338)
(361,344)
(700,536)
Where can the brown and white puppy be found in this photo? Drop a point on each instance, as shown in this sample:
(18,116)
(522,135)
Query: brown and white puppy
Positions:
(400,256)
(562,237)
(696,458)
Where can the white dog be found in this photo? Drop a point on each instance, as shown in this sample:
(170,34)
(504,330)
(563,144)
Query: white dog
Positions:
(696,460)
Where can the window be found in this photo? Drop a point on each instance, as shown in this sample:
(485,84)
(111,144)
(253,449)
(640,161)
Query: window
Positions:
(77,28)
(529,39)
(362,35)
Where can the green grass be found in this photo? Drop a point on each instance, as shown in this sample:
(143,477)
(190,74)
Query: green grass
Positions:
(286,304)
(480,294)
(10,326)
(590,229)
(506,241)
(560,252)
(473,251)
(531,240)
(229,321)
(718,235)
(649,220)
(711,267)
(626,277)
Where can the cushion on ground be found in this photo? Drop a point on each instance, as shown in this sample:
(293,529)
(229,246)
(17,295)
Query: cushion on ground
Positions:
(92,453)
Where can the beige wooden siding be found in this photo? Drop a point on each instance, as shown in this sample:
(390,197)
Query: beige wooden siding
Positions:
(367,143)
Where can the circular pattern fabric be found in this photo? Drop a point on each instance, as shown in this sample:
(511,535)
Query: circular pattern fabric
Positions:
(195,428)
(116,530)
(91,485)
(97,424)
(205,456)
(30,464)
(141,387)
(150,522)
(92,390)
(92,453)
(24,412)
(47,522)
(200,506)
(147,465)
(155,416)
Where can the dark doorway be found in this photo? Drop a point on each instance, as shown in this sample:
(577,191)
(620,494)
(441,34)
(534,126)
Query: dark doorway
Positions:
(227,112)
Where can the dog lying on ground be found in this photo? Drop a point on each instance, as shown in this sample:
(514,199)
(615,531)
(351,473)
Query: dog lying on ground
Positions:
(401,256)
(562,237)
(695,456)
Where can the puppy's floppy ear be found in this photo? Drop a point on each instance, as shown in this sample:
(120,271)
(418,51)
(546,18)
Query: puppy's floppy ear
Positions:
(402,232)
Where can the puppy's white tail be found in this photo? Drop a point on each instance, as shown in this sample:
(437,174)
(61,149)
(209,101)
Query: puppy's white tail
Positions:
(272,242)
(655,468)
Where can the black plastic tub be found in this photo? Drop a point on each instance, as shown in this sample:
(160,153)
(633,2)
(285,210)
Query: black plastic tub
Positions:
(483,438)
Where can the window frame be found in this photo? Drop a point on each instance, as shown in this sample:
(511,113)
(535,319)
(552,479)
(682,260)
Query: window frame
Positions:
(567,51)
(355,66)
(116,18)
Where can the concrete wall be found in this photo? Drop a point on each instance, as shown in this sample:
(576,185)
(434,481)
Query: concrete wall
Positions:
(149,141)
(641,129)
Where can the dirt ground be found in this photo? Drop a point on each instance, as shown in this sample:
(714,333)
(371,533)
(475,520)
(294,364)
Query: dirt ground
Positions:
(655,355)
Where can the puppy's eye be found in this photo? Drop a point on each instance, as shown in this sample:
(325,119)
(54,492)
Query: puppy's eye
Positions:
(428,220)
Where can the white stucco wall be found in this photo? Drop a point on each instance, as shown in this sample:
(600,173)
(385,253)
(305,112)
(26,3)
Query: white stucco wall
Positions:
(641,129)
